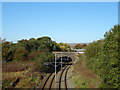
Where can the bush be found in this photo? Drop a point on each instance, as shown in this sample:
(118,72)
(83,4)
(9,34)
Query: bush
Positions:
(7,53)
(93,54)
(111,58)
(103,57)
(27,49)
(20,54)
(45,57)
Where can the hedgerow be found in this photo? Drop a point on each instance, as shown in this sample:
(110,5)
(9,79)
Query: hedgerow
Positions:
(103,58)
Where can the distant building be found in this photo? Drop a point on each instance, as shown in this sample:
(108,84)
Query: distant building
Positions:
(79,50)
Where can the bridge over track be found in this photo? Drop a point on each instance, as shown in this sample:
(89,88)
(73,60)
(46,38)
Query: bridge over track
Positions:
(72,55)
(61,78)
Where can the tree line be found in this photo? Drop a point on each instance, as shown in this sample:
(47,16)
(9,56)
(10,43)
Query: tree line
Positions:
(38,50)
(103,57)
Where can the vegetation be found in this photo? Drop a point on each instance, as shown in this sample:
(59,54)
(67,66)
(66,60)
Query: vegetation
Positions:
(80,46)
(45,57)
(38,50)
(103,57)
(30,49)
(18,57)
(26,71)
(82,76)
(64,47)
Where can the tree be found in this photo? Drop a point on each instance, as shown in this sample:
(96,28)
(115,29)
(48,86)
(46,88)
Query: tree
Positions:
(103,57)
(45,57)
(6,51)
(78,46)
(83,45)
(64,47)
(111,58)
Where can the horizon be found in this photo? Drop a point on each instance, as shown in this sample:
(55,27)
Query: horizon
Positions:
(51,39)
(67,22)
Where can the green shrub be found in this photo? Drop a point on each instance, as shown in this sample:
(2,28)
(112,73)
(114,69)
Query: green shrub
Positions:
(45,57)
(111,58)
(103,57)
(38,50)
(20,54)
(93,53)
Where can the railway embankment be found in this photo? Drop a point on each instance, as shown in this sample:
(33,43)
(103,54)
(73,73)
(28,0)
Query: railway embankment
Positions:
(83,77)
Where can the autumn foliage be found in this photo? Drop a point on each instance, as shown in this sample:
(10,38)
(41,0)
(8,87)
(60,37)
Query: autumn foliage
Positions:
(79,46)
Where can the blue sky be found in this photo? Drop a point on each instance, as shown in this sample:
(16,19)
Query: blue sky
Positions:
(70,22)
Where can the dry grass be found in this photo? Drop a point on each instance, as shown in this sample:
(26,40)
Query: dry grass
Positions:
(13,67)
(83,77)
(29,77)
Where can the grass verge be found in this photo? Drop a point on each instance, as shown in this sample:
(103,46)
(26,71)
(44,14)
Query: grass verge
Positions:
(82,76)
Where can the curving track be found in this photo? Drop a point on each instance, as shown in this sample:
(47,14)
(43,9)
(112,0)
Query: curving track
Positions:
(66,77)
(50,80)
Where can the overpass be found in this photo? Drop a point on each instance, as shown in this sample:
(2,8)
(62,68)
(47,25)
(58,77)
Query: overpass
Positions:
(72,55)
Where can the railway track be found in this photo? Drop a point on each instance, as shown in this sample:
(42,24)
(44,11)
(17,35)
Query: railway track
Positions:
(60,79)
(46,81)
(50,80)
(66,77)
(63,78)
